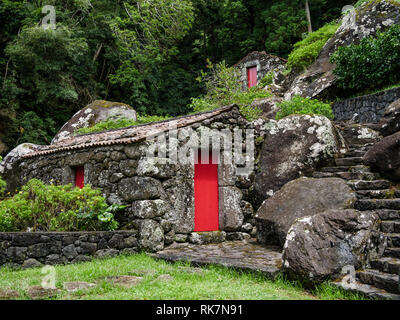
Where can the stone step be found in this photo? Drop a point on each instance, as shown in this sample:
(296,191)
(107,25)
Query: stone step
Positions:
(369,185)
(367,290)
(390,226)
(392,253)
(355,153)
(386,214)
(360,168)
(334,169)
(369,176)
(376,204)
(393,239)
(348,161)
(378,194)
(346,169)
(366,145)
(383,280)
(387,265)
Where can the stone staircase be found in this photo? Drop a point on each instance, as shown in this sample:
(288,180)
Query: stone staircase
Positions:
(382,278)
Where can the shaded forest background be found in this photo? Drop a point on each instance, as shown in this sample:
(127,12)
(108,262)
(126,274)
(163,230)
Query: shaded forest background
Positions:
(145,53)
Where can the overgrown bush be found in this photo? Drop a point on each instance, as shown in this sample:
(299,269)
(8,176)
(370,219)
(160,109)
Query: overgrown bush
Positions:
(306,51)
(122,123)
(40,207)
(300,105)
(224,88)
(374,63)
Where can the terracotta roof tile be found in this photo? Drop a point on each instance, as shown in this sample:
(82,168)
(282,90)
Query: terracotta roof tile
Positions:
(125,135)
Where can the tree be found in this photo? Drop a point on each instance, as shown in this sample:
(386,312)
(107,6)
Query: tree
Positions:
(308,17)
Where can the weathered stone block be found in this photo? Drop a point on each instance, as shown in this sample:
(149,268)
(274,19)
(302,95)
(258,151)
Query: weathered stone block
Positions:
(139,188)
(149,209)
(230,213)
(151,235)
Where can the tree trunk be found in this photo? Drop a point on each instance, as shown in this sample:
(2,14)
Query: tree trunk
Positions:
(308,17)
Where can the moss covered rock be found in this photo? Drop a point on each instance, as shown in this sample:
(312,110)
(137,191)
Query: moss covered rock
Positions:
(96,112)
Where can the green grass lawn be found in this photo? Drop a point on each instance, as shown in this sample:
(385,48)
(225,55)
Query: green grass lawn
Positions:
(211,283)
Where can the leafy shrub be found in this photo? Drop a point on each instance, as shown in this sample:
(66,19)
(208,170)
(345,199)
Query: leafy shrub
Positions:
(306,51)
(224,88)
(122,123)
(40,207)
(267,80)
(374,63)
(300,105)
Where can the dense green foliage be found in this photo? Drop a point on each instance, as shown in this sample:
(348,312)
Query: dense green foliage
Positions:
(307,50)
(300,105)
(40,207)
(143,53)
(122,123)
(374,63)
(224,88)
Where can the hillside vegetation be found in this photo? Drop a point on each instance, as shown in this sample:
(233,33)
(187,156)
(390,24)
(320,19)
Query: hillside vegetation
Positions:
(147,54)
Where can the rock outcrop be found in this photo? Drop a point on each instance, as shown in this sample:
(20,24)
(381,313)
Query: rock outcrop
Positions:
(293,147)
(9,167)
(390,122)
(268,106)
(97,111)
(371,17)
(298,199)
(384,156)
(318,247)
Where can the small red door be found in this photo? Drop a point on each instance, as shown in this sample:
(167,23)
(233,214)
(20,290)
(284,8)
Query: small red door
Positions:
(206,196)
(252,77)
(79,177)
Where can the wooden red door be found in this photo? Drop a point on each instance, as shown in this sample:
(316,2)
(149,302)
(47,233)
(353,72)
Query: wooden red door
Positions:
(252,77)
(206,196)
(79,177)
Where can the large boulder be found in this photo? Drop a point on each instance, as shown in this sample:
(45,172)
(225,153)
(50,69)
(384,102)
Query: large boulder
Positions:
(268,106)
(293,146)
(384,156)
(390,121)
(369,18)
(318,247)
(97,111)
(297,199)
(9,168)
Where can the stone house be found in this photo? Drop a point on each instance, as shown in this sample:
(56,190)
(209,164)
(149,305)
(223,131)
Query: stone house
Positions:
(256,65)
(166,201)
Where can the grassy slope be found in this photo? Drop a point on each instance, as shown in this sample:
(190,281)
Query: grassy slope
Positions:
(216,283)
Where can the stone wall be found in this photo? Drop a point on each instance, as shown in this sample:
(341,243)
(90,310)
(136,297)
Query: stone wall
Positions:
(365,109)
(159,195)
(264,62)
(32,249)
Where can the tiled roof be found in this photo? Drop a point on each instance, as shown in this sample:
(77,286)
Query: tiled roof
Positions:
(125,135)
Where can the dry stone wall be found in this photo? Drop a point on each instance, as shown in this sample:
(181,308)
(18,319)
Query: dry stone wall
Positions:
(365,109)
(34,249)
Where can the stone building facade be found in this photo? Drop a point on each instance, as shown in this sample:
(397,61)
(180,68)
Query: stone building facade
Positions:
(262,62)
(159,194)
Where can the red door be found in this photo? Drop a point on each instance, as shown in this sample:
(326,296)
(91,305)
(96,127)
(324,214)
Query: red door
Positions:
(252,77)
(206,196)
(79,177)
